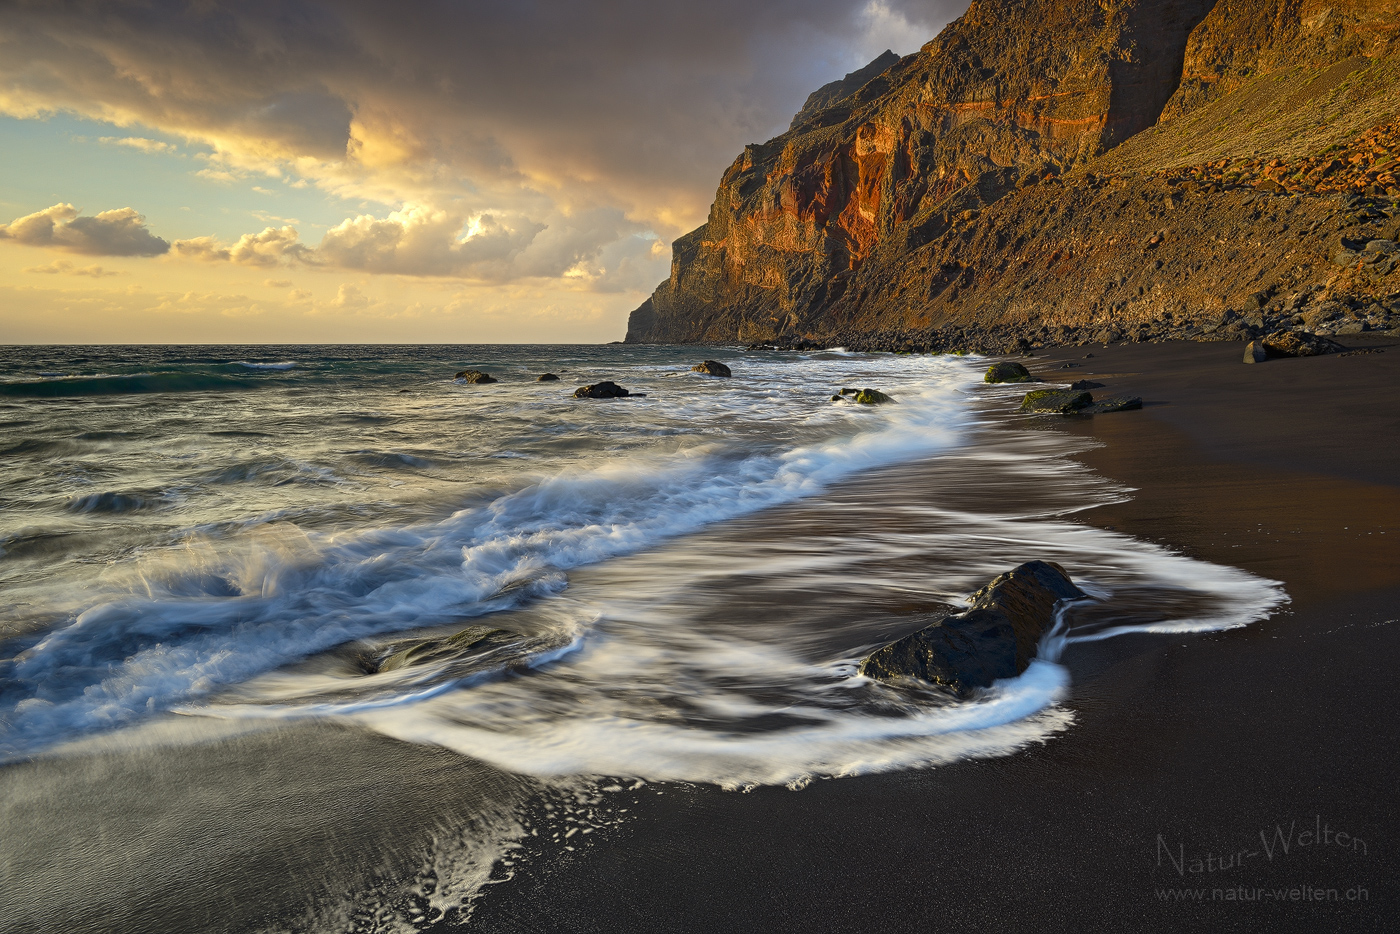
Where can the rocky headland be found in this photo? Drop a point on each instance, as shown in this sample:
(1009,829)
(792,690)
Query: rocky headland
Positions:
(1062,171)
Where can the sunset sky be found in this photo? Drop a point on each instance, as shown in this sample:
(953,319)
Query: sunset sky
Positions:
(303,171)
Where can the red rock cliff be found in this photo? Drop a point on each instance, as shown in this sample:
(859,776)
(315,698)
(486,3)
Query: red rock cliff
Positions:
(808,230)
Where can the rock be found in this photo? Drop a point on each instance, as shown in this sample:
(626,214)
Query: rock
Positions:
(1382,246)
(473,639)
(1353,327)
(1255,352)
(1298,343)
(1115,404)
(475,376)
(712,368)
(865,396)
(603,390)
(1008,372)
(1083,384)
(1316,317)
(546,378)
(1063,401)
(995,638)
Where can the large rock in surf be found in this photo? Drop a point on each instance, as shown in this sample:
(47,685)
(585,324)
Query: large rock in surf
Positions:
(996,638)
(475,376)
(1062,401)
(546,378)
(472,640)
(865,396)
(603,390)
(1007,372)
(712,368)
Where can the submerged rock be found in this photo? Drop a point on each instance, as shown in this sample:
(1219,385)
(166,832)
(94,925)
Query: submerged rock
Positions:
(1007,372)
(995,638)
(546,378)
(398,655)
(1063,401)
(1116,404)
(865,396)
(1083,384)
(603,390)
(712,368)
(475,376)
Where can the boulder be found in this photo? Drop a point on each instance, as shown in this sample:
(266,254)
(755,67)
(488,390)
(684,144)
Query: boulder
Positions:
(1116,404)
(1083,384)
(475,376)
(995,638)
(865,396)
(712,368)
(546,378)
(421,651)
(603,390)
(1299,343)
(1063,401)
(1008,372)
(1254,352)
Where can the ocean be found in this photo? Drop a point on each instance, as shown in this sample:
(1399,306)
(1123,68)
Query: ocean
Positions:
(335,640)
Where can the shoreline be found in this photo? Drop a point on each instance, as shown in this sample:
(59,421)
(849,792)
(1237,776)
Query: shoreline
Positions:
(1190,745)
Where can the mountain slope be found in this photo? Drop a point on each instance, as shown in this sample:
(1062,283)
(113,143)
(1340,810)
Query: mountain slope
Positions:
(1049,164)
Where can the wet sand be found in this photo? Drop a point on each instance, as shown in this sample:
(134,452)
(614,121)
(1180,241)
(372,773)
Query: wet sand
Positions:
(1185,748)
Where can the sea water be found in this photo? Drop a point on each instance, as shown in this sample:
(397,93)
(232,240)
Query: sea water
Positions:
(202,542)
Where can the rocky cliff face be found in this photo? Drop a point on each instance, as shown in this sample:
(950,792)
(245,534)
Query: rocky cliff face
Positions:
(1010,152)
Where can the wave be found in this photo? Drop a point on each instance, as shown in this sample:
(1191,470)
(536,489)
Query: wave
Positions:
(120,385)
(214,613)
(283,365)
(115,502)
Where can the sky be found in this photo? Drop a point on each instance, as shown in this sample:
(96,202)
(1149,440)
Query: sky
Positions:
(323,171)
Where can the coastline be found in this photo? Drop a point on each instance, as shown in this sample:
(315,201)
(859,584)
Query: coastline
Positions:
(1187,745)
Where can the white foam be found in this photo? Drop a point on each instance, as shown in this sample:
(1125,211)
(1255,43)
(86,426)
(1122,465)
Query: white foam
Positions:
(182,622)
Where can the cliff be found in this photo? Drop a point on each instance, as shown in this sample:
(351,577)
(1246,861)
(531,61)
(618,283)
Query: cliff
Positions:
(1043,164)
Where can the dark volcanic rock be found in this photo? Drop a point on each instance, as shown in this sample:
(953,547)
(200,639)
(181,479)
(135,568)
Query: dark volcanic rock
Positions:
(712,368)
(603,390)
(1116,404)
(1255,352)
(1063,401)
(422,651)
(475,376)
(1083,384)
(1299,343)
(996,638)
(546,378)
(1008,372)
(865,396)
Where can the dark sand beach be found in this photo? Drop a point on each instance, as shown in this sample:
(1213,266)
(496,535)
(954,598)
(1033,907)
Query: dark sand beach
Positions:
(1193,760)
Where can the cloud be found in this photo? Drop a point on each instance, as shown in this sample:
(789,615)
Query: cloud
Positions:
(63,267)
(278,283)
(271,247)
(139,143)
(348,296)
(562,130)
(112,233)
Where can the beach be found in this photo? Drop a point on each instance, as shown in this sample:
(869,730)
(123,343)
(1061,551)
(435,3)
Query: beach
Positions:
(675,768)
(1183,748)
